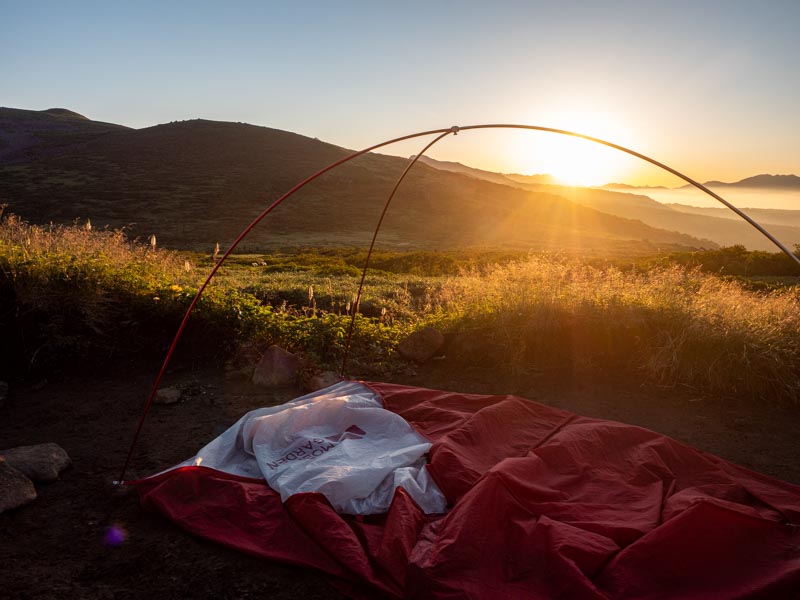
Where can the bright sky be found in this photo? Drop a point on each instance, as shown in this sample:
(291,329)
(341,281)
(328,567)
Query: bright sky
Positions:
(711,88)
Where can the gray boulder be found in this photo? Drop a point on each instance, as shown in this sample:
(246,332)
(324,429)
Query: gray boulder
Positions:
(43,462)
(277,367)
(15,488)
(422,345)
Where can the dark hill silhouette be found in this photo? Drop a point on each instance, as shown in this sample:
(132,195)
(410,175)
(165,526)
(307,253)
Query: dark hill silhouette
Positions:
(27,135)
(64,112)
(194,183)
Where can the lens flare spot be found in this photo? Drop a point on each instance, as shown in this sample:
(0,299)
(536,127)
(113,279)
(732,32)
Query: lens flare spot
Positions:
(115,535)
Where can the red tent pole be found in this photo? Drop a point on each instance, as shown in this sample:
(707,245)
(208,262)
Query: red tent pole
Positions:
(343,369)
(443,132)
(149,402)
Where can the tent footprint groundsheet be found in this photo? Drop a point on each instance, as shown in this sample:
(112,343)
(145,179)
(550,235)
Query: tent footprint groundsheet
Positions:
(416,493)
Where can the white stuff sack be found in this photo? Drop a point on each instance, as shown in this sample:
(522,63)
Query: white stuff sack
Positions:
(339,442)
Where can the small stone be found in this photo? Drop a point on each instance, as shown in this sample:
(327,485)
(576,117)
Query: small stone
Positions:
(422,345)
(323,380)
(15,489)
(168,395)
(277,368)
(43,462)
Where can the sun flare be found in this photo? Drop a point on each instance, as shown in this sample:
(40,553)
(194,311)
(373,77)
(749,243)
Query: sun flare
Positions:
(576,161)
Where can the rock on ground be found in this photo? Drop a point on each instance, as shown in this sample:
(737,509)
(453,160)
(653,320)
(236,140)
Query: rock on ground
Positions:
(15,488)
(277,367)
(168,395)
(43,462)
(322,380)
(422,345)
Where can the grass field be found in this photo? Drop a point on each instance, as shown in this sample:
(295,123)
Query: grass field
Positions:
(72,294)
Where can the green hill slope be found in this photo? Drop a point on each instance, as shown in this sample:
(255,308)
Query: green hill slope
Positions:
(194,183)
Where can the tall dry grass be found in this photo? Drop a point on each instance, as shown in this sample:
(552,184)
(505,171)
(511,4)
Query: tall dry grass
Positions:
(77,270)
(78,250)
(71,293)
(675,325)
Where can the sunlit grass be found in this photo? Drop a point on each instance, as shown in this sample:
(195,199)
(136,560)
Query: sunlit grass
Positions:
(677,326)
(75,290)
(72,270)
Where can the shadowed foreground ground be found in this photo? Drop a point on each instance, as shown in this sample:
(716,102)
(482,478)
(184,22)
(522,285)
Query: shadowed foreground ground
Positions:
(54,547)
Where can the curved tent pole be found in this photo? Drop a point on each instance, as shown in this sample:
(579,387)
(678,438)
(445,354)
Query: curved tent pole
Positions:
(652,161)
(333,165)
(412,162)
(151,396)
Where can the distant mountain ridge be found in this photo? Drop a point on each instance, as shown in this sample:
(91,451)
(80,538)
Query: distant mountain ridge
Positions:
(765,216)
(198,182)
(626,186)
(502,178)
(718,225)
(786,182)
(763,181)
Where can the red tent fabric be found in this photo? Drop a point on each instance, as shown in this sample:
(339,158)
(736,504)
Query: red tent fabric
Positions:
(542,504)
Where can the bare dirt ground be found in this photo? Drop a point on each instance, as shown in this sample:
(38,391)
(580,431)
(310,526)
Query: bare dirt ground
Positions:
(54,548)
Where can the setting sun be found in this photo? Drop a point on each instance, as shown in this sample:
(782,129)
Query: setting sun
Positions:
(575,161)
(578,162)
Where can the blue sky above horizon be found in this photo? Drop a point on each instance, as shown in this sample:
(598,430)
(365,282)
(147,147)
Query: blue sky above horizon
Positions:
(708,87)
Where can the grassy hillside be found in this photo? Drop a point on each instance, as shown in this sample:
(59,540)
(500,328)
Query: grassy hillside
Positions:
(196,183)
